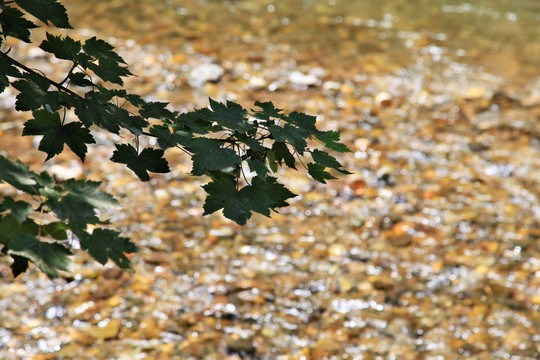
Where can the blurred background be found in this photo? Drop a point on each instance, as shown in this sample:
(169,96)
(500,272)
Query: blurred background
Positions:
(430,250)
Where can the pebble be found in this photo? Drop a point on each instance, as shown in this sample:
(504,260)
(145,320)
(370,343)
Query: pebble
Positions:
(300,79)
(203,74)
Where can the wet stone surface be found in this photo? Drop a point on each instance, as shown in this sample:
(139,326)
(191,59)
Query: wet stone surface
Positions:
(430,250)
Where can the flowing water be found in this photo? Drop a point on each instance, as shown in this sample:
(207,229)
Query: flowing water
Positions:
(429,251)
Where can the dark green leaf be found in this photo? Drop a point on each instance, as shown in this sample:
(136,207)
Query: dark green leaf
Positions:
(109,70)
(327,160)
(47,10)
(80,79)
(7,69)
(135,124)
(261,196)
(331,140)
(101,50)
(279,153)
(258,167)
(33,94)
(79,204)
(195,121)
(317,171)
(18,175)
(55,135)
(14,24)
(19,209)
(168,138)
(268,111)
(210,156)
(105,244)
(99,111)
(63,48)
(231,116)
(304,122)
(56,230)
(108,67)
(47,256)
(222,194)
(156,110)
(293,135)
(148,160)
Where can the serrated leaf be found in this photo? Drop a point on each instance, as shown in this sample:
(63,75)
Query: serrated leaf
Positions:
(135,124)
(99,111)
(78,205)
(327,160)
(230,115)
(109,70)
(34,94)
(14,24)
(87,192)
(222,194)
(293,135)
(80,79)
(317,171)
(157,110)
(63,48)
(47,256)
(46,10)
(19,209)
(331,140)
(148,160)
(303,121)
(280,153)
(7,69)
(195,121)
(261,196)
(258,167)
(18,175)
(57,230)
(210,156)
(105,244)
(268,111)
(168,138)
(108,67)
(55,134)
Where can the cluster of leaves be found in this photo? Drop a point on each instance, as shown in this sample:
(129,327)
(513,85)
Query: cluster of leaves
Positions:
(239,150)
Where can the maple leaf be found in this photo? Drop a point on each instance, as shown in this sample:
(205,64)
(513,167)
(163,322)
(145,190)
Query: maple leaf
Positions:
(148,160)
(47,256)
(156,110)
(55,134)
(77,202)
(293,135)
(33,94)
(231,115)
(105,244)
(19,209)
(280,153)
(63,48)
(331,140)
(168,138)
(317,171)
(261,196)
(210,156)
(18,175)
(14,24)
(46,10)
(258,167)
(108,67)
(323,158)
(7,69)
